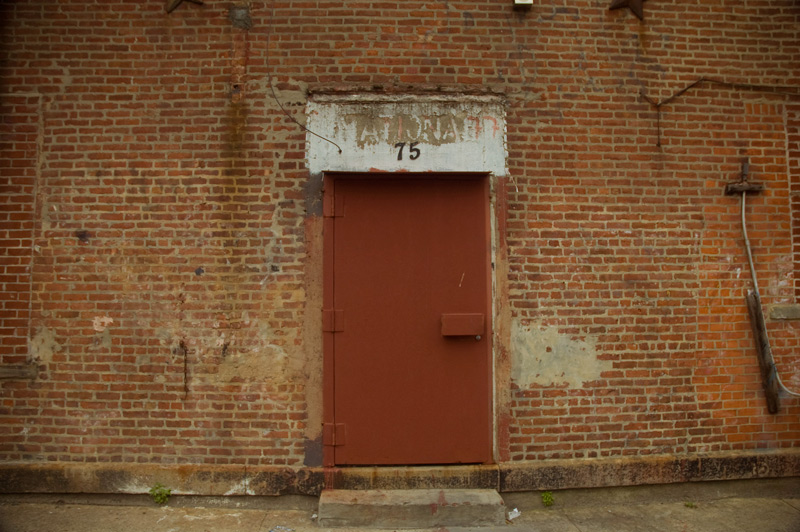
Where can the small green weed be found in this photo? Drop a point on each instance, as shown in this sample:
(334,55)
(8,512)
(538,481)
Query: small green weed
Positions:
(160,494)
(547,498)
(690,504)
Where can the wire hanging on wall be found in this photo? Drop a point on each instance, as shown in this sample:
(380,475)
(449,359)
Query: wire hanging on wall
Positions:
(272,88)
(773,89)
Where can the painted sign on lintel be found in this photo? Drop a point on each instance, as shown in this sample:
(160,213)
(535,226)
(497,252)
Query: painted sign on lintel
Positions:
(410,133)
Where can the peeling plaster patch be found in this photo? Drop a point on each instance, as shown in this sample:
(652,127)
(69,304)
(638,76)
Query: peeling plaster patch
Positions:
(266,361)
(241,488)
(101,322)
(103,339)
(43,345)
(239,16)
(782,287)
(294,91)
(220,341)
(213,517)
(168,337)
(543,356)
(138,486)
(790,374)
(254,365)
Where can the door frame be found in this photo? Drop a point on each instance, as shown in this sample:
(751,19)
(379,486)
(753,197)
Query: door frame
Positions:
(329,432)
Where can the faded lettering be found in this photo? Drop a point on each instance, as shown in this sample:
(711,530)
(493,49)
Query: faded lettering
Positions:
(435,130)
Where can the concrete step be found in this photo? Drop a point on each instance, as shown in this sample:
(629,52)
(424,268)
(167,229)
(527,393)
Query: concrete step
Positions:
(421,508)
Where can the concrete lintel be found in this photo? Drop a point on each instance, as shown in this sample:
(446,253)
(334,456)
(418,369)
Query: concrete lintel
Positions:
(406,133)
(361,98)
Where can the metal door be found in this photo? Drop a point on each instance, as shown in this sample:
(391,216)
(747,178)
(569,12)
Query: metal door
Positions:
(407,321)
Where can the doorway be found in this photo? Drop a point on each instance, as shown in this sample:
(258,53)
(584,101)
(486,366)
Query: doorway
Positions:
(407,319)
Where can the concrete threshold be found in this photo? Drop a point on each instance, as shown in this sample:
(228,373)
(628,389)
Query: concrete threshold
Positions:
(411,509)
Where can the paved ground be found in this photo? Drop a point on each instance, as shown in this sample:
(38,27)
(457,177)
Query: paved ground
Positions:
(745,506)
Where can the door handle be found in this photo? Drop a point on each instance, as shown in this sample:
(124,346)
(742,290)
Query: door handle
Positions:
(463,324)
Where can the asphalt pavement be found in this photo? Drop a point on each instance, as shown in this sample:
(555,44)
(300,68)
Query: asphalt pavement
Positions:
(771,505)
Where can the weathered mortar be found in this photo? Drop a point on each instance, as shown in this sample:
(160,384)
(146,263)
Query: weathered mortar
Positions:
(149,177)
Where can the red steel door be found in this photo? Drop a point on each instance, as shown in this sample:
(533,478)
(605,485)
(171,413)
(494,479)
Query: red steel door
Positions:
(411,347)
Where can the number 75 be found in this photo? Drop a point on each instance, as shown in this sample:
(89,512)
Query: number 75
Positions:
(413,151)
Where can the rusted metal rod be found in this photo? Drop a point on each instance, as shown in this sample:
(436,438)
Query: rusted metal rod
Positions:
(765,360)
(771,379)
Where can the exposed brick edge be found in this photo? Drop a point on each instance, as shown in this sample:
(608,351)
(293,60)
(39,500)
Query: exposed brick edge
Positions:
(107,478)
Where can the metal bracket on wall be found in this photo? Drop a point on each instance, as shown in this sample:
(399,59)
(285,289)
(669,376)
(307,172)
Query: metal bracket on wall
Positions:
(743,185)
(333,434)
(766,362)
(334,207)
(634,5)
(769,373)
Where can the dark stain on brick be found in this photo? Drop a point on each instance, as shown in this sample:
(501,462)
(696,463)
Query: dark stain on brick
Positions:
(83,236)
(112,480)
(568,11)
(310,481)
(312,449)
(278,482)
(312,191)
(235,125)
(199,271)
(21,480)
(239,16)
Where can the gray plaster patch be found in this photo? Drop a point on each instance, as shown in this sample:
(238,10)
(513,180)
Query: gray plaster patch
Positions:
(240,17)
(43,345)
(103,339)
(543,356)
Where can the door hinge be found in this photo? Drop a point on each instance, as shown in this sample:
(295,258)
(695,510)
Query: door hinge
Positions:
(332,320)
(333,434)
(333,207)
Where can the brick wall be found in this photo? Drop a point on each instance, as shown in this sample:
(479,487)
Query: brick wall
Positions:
(19,138)
(158,222)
